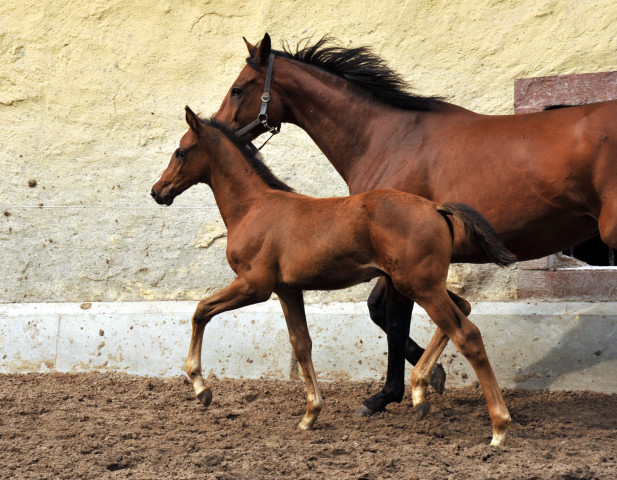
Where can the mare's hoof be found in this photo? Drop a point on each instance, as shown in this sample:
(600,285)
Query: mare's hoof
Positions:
(205,397)
(438,379)
(423,409)
(364,411)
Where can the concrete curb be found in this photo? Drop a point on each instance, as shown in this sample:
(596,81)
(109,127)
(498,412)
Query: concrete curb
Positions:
(561,345)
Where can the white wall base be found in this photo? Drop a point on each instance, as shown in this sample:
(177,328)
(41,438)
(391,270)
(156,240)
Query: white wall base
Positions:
(562,345)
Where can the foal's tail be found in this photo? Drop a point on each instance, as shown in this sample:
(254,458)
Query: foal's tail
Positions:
(476,226)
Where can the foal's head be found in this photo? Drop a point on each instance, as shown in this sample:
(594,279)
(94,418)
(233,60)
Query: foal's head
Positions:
(190,163)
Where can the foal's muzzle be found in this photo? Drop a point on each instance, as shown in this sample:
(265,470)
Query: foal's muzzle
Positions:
(165,200)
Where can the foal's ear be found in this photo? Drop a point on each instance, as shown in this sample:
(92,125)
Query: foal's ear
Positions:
(263,50)
(192,120)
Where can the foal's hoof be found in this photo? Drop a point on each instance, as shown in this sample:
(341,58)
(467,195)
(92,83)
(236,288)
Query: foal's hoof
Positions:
(438,379)
(499,439)
(364,411)
(306,425)
(205,397)
(423,409)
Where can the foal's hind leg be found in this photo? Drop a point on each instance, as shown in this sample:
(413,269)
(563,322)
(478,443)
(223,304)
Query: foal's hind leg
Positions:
(421,373)
(293,309)
(425,369)
(462,304)
(468,340)
(235,295)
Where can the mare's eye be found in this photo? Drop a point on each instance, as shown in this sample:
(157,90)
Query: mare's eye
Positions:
(236,92)
(180,153)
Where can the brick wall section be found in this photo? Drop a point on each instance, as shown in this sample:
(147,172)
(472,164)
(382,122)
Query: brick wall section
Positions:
(535,94)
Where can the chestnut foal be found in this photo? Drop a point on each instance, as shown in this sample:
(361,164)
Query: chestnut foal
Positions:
(283,242)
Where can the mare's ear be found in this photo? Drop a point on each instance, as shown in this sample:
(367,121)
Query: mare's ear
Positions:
(249,46)
(192,120)
(263,50)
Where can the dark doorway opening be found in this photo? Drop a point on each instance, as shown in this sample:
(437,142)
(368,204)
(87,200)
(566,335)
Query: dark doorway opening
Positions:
(594,252)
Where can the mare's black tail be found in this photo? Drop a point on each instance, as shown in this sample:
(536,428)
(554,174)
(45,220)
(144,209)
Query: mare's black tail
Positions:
(476,226)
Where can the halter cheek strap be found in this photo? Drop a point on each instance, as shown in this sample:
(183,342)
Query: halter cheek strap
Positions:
(262,118)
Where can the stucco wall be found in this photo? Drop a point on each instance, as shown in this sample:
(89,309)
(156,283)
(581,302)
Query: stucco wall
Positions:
(91,107)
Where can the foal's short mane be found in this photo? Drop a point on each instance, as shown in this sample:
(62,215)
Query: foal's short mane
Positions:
(251,155)
(363,68)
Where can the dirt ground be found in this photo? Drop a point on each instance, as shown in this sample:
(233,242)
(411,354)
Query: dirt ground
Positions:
(118,426)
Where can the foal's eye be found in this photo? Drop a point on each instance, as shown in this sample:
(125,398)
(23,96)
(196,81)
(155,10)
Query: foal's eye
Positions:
(236,92)
(180,153)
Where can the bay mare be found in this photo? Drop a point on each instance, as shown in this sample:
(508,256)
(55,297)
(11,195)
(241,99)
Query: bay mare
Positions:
(545,181)
(283,242)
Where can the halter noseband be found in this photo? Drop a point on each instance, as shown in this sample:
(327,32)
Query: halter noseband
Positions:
(262,118)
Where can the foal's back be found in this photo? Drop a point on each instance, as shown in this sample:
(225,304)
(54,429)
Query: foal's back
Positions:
(330,243)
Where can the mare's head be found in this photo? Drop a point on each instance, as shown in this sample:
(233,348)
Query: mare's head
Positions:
(189,164)
(243,101)
(373,78)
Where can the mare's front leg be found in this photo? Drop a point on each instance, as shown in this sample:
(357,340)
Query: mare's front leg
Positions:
(236,295)
(396,310)
(293,309)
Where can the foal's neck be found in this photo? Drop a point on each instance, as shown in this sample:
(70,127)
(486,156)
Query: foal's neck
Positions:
(235,184)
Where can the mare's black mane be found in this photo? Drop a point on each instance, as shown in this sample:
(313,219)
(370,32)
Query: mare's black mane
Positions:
(251,155)
(363,68)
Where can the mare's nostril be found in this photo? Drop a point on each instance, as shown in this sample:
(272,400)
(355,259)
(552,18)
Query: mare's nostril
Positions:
(152,194)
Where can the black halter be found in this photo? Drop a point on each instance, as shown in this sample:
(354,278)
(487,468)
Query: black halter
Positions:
(262,118)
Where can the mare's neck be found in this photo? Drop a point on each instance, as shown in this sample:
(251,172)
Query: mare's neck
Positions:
(338,119)
(235,184)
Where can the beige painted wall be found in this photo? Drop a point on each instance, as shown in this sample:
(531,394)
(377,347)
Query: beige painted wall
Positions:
(91,107)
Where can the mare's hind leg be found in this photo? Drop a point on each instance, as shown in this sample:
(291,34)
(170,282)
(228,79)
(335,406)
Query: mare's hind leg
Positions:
(237,294)
(293,309)
(468,340)
(397,318)
(377,310)
(607,224)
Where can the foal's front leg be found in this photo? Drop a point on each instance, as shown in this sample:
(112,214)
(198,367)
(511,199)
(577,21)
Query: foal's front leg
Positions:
(293,309)
(236,295)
